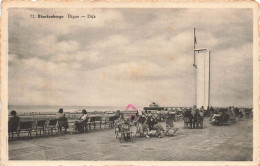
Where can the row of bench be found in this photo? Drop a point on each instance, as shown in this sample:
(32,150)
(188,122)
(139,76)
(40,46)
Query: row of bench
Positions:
(49,127)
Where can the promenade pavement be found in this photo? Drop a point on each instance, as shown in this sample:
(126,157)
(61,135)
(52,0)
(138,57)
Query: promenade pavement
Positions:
(212,143)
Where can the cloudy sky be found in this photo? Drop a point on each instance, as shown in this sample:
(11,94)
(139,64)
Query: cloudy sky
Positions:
(128,56)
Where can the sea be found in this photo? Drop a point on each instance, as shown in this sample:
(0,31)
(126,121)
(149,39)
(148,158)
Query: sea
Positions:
(21,109)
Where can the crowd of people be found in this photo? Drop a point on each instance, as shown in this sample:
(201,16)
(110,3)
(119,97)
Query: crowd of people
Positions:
(62,120)
(145,121)
(194,117)
(224,116)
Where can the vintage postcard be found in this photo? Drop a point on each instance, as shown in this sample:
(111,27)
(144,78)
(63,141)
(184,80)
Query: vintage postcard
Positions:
(129,83)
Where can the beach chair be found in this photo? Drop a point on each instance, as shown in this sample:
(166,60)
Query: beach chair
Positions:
(79,126)
(86,125)
(98,121)
(92,123)
(105,121)
(25,126)
(111,121)
(124,132)
(52,125)
(39,126)
(169,128)
(141,129)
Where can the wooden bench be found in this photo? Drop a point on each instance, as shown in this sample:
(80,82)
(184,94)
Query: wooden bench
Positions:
(25,126)
(51,126)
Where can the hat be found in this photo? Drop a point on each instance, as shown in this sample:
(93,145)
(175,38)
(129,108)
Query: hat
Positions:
(13,112)
(84,111)
(60,110)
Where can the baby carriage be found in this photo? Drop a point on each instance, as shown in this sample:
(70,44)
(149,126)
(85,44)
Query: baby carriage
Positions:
(124,132)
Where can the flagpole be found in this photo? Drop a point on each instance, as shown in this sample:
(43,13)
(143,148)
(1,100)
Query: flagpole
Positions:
(209,82)
(194,64)
(194,46)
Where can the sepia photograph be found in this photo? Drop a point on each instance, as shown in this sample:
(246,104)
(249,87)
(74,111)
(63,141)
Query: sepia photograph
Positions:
(130,84)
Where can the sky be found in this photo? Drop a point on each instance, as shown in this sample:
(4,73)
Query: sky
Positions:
(128,56)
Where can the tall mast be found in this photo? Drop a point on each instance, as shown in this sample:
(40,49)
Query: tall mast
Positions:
(194,42)
(194,64)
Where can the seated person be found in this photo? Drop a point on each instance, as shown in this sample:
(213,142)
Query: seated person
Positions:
(225,117)
(141,127)
(153,125)
(121,120)
(80,122)
(62,120)
(145,113)
(122,125)
(215,115)
(13,122)
(117,113)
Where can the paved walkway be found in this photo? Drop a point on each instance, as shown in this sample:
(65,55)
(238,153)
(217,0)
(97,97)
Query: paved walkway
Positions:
(213,143)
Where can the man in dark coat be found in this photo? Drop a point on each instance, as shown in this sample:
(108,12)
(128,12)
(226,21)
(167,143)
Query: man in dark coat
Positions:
(188,116)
